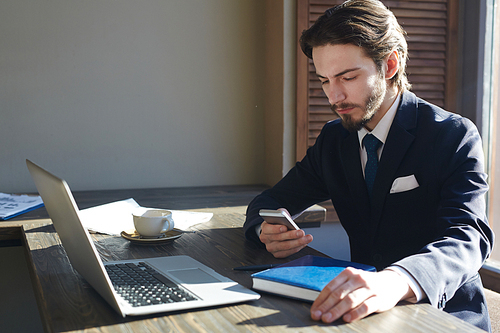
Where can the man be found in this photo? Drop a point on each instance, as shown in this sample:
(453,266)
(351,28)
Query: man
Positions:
(422,220)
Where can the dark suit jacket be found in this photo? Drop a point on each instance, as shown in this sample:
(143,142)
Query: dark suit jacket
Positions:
(438,231)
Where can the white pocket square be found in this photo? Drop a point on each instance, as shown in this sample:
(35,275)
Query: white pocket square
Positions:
(403,184)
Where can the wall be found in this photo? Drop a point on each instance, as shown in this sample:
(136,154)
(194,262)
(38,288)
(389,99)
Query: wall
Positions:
(127,94)
(273,95)
(280,88)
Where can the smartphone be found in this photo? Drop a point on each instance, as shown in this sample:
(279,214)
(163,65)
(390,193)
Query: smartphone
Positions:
(278,217)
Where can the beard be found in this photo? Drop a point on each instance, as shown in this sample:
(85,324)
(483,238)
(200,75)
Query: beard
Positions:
(371,106)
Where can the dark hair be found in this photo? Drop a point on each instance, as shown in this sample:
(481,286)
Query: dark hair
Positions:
(364,23)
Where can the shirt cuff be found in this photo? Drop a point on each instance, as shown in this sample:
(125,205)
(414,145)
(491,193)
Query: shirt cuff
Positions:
(258,230)
(412,283)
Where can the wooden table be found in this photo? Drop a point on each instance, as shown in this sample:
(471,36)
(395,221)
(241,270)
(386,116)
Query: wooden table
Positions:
(68,303)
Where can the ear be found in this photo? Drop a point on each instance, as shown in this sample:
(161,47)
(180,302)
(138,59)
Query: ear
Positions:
(392,64)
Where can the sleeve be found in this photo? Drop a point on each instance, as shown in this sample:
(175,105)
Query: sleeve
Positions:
(302,187)
(464,240)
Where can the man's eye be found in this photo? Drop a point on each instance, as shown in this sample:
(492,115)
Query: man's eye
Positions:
(349,78)
(324,82)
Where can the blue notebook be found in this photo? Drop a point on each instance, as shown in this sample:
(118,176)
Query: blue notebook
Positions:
(302,278)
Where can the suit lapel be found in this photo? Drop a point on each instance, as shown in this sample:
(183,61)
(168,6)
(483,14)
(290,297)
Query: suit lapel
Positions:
(397,144)
(351,162)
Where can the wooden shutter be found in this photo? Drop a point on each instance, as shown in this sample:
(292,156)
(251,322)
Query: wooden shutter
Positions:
(431,28)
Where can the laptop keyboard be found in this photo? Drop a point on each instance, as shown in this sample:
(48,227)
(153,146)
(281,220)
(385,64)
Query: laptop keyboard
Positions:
(140,284)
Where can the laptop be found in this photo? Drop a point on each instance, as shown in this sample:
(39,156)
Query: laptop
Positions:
(139,287)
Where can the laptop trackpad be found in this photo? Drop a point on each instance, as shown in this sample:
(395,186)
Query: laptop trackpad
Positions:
(193,276)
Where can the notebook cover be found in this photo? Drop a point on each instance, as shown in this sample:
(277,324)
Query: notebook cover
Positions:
(311,272)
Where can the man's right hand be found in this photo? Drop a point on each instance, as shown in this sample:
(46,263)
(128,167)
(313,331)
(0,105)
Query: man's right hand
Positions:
(282,242)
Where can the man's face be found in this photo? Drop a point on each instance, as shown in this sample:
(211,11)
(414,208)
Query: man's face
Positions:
(355,88)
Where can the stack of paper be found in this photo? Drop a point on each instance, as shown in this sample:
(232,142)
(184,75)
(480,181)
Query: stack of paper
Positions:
(12,204)
(115,217)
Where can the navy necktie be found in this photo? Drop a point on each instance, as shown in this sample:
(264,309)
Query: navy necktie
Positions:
(371,144)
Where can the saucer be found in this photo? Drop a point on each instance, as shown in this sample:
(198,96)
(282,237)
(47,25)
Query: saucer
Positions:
(166,237)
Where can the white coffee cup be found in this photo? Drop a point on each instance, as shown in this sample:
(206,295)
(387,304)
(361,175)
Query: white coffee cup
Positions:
(151,223)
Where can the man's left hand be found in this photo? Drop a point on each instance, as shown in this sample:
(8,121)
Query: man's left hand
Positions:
(354,294)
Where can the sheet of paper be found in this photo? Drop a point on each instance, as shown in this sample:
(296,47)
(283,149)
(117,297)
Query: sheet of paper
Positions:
(115,217)
(12,204)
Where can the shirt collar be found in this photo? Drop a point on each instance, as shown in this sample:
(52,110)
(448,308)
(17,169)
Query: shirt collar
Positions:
(382,129)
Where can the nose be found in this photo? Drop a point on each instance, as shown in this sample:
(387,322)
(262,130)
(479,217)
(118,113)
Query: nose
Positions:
(334,93)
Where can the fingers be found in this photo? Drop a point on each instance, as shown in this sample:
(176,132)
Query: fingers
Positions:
(336,299)
(278,232)
(345,296)
(355,305)
(281,242)
(287,248)
(369,306)
(354,294)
